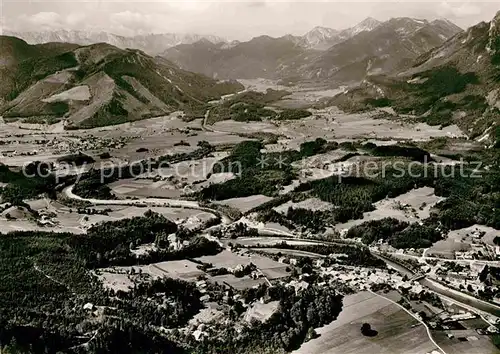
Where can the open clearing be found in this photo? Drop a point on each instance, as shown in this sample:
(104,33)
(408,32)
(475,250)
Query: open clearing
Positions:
(261,312)
(227,259)
(183,269)
(398,332)
(488,237)
(120,278)
(410,207)
(172,181)
(462,240)
(237,283)
(245,204)
(313,204)
(446,248)
(77,93)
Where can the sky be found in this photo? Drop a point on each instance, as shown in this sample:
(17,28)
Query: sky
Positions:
(230,19)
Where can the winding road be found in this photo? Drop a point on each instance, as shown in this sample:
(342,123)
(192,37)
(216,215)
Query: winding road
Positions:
(170,203)
(415,317)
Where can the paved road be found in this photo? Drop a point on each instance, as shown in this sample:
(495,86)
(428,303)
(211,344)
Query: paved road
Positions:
(171,203)
(468,261)
(207,113)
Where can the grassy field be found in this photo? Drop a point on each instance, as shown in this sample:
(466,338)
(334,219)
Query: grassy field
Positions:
(410,207)
(72,222)
(461,240)
(398,332)
(120,278)
(331,123)
(314,204)
(237,283)
(245,204)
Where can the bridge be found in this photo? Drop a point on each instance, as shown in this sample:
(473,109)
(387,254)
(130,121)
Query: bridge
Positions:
(417,277)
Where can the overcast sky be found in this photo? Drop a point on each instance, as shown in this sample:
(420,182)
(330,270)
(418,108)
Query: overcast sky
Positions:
(227,18)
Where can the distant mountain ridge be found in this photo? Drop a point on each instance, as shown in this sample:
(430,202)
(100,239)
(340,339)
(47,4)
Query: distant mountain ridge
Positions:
(454,83)
(322,38)
(389,47)
(97,85)
(319,38)
(367,48)
(152,44)
(262,56)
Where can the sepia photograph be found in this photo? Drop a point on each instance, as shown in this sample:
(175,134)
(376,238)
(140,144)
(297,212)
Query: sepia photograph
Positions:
(249,177)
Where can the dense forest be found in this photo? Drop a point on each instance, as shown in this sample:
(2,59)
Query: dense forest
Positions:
(46,281)
(398,233)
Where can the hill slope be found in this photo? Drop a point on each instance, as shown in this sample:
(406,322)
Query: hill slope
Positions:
(97,85)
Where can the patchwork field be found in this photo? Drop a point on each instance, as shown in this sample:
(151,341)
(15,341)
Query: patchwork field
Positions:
(331,123)
(121,278)
(238,283)
(398,332)
(227,259)
(230,259)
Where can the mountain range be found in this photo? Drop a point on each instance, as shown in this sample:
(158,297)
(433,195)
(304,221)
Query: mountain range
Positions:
(150,43)
(455,83)
(97,85)
(322,38)
(431,70)
(153,44)
(389,47)
(367,48)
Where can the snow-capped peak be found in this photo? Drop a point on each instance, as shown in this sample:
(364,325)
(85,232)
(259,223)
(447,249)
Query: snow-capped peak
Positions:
(368,24)
(319,34)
